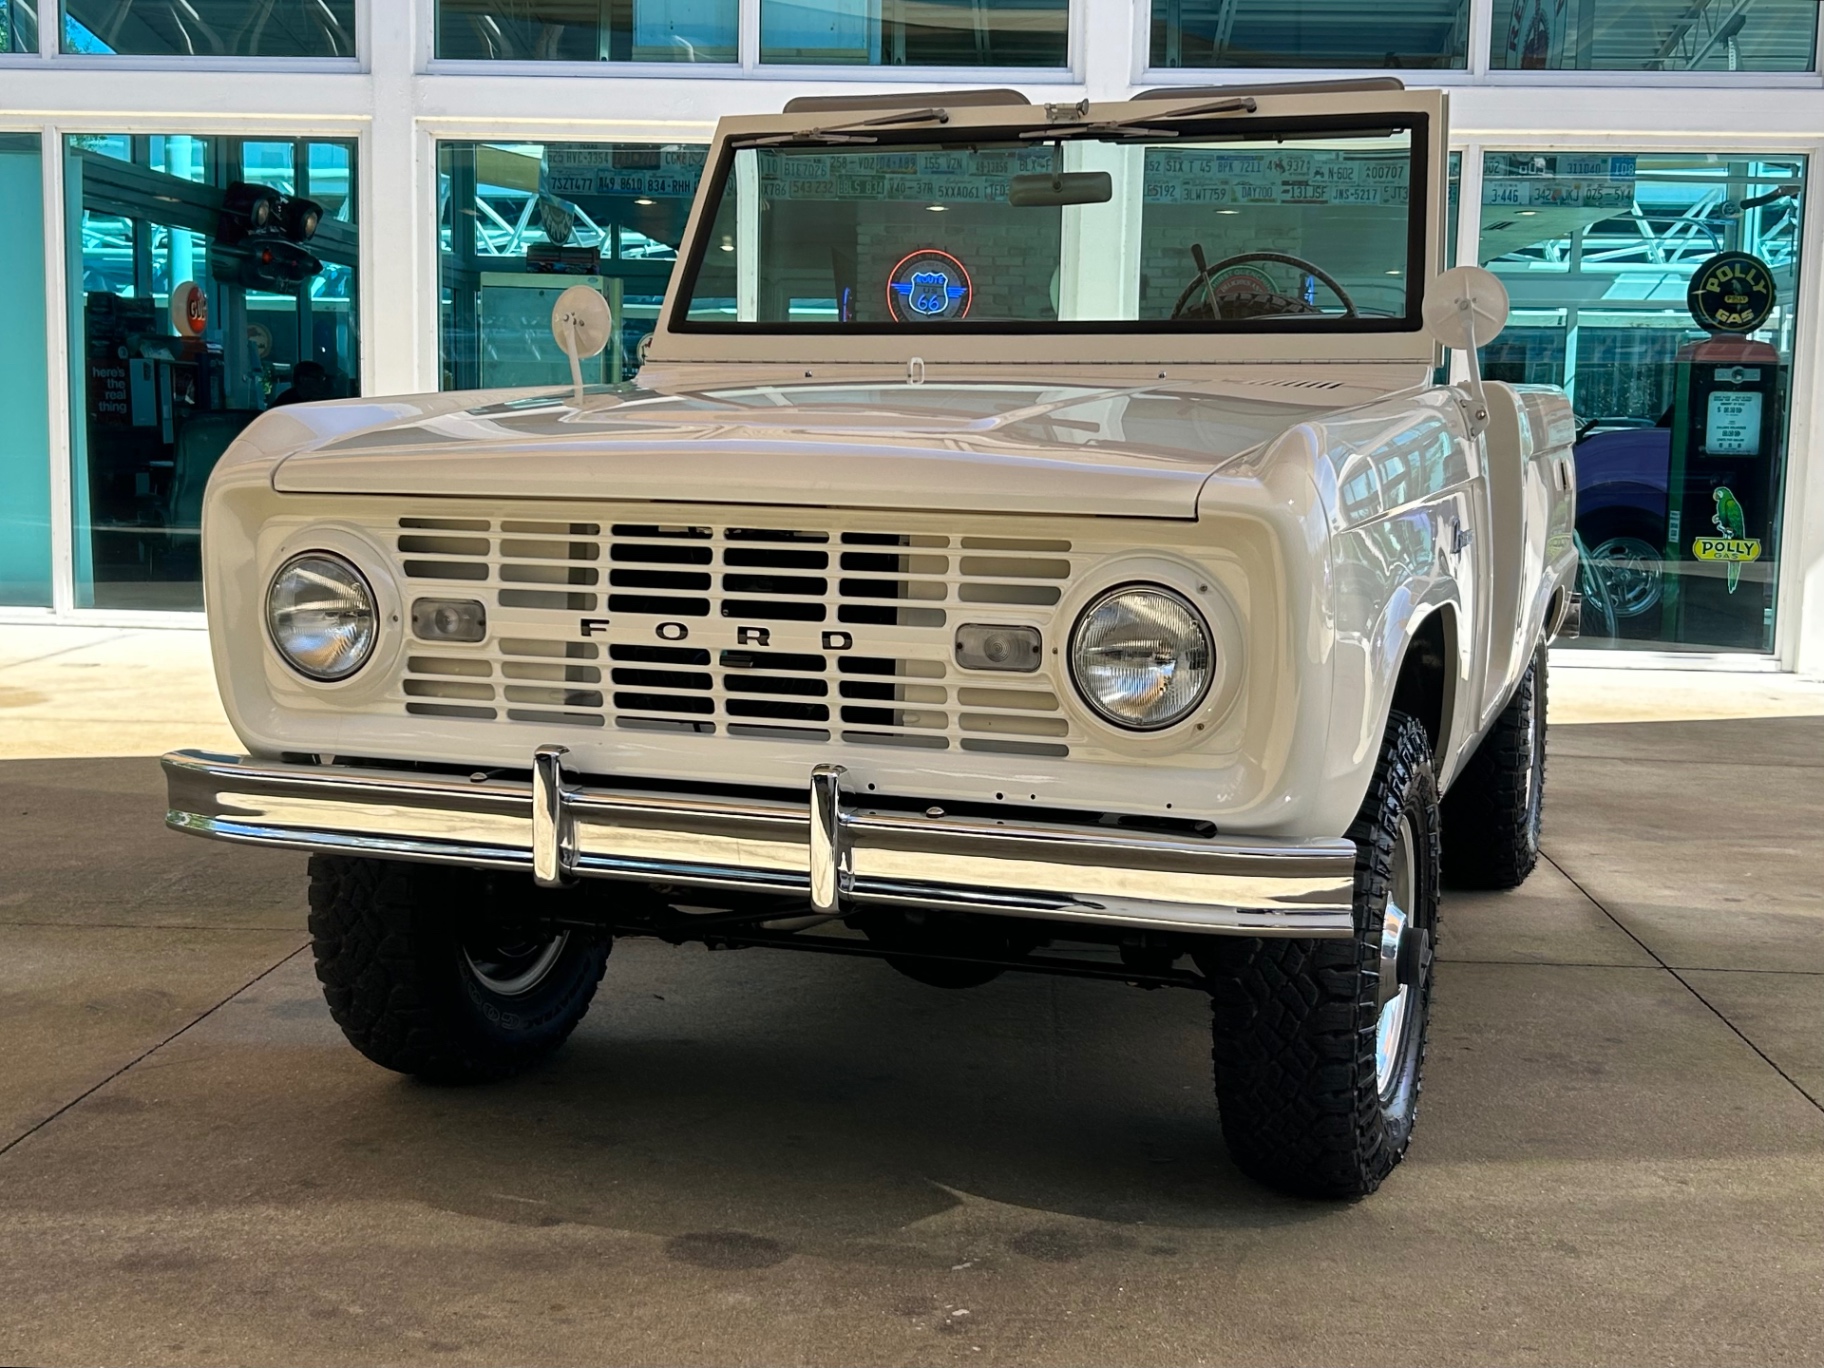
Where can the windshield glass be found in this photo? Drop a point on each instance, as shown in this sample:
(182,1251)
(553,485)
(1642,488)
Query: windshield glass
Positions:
(1120,234)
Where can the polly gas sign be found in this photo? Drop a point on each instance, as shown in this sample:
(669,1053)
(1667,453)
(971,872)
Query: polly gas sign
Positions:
(1732,292)
(1732,548)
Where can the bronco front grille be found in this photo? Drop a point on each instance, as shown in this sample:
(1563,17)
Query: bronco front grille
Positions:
(762,632)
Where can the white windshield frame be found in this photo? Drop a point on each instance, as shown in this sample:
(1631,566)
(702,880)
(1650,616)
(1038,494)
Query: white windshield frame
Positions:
(1091,345)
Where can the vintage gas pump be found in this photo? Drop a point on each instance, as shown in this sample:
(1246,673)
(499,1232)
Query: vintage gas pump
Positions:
(1722,496)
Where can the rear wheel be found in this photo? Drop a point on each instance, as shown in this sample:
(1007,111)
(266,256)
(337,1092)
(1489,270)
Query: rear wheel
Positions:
(1320,1044)
(436,972)
(1493,812)
(1627,551)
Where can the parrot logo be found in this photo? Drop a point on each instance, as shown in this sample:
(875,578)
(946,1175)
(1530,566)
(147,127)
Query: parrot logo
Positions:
(1734,547)
(1732,524)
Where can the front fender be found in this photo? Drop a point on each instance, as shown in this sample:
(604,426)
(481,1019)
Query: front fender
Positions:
(1392,575)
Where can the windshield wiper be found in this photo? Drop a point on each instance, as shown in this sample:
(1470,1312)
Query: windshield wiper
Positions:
(1132,128)
(845,133)
(1244,105)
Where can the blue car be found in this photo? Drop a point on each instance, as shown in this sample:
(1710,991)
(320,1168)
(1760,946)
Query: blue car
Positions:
(1623,472)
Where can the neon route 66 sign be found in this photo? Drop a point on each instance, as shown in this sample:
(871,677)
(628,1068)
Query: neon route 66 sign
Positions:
(928,286)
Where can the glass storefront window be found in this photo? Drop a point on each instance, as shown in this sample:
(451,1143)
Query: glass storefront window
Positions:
(518,222)
(588,30)
(153,409)
(18,25)
(1654,35)
(209,28)
(25,437)
(1682,426)
(947,33)
(1310,33)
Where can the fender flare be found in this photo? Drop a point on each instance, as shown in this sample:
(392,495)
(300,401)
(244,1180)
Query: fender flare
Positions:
(1443,718)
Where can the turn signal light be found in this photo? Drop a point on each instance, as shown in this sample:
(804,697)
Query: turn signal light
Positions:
(983,646)
(449,620)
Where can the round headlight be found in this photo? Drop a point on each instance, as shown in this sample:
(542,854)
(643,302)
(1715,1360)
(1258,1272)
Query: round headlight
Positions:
(321,616)
(1141,657)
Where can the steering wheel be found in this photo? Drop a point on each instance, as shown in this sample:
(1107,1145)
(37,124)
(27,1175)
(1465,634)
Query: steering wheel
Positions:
(1255,303)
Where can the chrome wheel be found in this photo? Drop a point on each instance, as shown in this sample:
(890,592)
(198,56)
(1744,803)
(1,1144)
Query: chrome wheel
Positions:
(515,967)
(1397,931)
(1634,572)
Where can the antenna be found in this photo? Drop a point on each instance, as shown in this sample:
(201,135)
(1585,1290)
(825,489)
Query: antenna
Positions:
(581,323)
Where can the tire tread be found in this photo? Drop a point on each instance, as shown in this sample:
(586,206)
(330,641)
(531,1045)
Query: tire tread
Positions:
(1294,1022)
(380,932)
(1487,841)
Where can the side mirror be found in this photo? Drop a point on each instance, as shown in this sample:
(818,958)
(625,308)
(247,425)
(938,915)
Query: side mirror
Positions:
(582,323)
(1465,309)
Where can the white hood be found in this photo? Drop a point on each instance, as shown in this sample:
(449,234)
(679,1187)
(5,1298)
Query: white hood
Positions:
(1127,451)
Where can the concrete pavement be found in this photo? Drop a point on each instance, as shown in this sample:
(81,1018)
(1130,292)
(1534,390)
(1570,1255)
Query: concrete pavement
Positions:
(758,1157)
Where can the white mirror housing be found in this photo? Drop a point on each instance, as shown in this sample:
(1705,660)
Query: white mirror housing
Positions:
(582,323)
(1465,309)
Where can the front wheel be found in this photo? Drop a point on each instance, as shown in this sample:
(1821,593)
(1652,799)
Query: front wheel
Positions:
(434,972)
(1320,1044)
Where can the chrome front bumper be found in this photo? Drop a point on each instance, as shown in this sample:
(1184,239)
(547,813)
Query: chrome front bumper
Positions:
(824,848)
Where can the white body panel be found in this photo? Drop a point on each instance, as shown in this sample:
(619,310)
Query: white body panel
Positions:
(754,561)
(1315,552)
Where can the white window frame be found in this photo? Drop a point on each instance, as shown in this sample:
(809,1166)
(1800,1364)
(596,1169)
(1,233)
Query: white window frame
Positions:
(748,66)
(1477,70)
(50,37)
(52,133)
(1798,616)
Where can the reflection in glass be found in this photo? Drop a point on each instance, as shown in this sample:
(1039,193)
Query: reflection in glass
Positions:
(588,30)
(517,222)
(209,28)
(956,33)
(154,409)
(1236,235)
(19,29)
(1681,432)
(1655,35)
(25,463)
(1309,33)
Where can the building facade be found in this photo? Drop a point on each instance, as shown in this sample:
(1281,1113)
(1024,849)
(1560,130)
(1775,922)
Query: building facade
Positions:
(1633,169)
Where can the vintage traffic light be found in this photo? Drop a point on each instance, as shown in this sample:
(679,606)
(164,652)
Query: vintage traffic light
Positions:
(258,236)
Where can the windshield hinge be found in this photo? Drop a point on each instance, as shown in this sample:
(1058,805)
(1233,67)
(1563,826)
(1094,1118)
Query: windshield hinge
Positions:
(1070,120)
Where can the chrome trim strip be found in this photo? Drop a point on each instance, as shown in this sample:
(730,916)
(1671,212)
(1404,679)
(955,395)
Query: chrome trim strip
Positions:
(814,848)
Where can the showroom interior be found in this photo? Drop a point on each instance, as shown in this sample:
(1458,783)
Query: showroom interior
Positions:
(465,160)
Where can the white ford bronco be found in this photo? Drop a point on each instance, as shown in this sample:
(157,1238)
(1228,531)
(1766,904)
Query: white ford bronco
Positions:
(1036,540)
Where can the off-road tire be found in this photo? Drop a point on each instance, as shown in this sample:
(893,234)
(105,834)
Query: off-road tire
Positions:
(1492,813)
(1295,1021)
(389,940)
